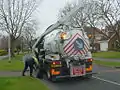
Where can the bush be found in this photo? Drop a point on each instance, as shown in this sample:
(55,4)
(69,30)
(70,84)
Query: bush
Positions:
(15,50)
(3,52)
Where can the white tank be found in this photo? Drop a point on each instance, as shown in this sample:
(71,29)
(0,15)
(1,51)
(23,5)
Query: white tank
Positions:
(75,42)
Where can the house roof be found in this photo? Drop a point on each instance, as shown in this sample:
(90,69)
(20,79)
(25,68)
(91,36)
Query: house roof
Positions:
(112,36)
(91,30)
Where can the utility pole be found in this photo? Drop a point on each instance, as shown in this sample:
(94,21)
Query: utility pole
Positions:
(9,48)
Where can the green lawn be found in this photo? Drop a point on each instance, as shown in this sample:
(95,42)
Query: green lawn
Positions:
(107,54)
(21,83)
(15,65)
(106,63)
(18,83)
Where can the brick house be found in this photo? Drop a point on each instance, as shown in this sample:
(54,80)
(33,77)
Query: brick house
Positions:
(112,42)
(102,37)
(97,35)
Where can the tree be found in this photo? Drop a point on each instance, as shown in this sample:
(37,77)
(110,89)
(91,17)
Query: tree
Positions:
(110,14)
(96,14)
(0,35)
(29,33)
(4,42)
(87,16)
(14,14)
(79,19)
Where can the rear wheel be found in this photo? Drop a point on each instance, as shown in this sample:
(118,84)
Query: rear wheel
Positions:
(88,76)
(39,73)
(47,76)
(53,79)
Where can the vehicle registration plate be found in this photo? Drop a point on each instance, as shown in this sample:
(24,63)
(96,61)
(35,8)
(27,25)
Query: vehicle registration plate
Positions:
(77,71)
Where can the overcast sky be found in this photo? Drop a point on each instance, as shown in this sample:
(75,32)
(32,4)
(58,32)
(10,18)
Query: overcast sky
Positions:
(48,12)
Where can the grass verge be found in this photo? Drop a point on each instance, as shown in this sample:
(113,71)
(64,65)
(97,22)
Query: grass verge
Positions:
(107,54)
(21,83)
(15,65)
(106,63)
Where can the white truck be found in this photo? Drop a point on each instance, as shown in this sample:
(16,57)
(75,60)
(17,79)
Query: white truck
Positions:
(65,52)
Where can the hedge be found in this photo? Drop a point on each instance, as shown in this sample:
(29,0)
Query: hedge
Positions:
(3,52)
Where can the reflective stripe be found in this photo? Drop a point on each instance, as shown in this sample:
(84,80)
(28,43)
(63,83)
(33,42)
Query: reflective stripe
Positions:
(43,60)
(35,59)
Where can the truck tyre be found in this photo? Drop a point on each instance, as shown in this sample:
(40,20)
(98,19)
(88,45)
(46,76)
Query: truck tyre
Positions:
(47,76)
(39,74)
(53,79)
(88,76)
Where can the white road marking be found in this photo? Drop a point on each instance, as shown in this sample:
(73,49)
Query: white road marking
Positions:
(108,81)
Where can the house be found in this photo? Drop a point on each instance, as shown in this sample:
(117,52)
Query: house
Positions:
(101,40)
(96,36)
(112,42)
(103,45)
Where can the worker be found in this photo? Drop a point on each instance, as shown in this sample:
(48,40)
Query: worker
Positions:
(31,62)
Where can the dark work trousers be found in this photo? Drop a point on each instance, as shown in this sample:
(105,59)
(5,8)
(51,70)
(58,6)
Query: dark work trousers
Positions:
(30,66)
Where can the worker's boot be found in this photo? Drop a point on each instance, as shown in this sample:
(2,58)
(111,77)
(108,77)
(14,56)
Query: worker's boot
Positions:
(23,74)
(31,75)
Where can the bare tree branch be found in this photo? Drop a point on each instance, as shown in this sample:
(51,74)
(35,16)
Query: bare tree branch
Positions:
(14,14)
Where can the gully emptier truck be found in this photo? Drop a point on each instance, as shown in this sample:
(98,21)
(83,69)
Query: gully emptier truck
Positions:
(65,52)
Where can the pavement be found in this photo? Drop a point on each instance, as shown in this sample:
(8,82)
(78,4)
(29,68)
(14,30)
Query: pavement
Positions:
(108,59)
(3,57)
(10,73)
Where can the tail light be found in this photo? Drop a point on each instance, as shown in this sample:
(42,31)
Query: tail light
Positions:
(89,60)
(53,72)
(63,35)
(56,64)
(89,68)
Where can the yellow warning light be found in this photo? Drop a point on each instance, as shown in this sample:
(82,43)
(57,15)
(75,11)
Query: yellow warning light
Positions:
(53,57)
(63,35)
(90,35)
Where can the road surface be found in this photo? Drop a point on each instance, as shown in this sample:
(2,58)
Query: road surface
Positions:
(106,79)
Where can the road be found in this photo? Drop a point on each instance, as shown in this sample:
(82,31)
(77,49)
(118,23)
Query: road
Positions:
(106,79)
